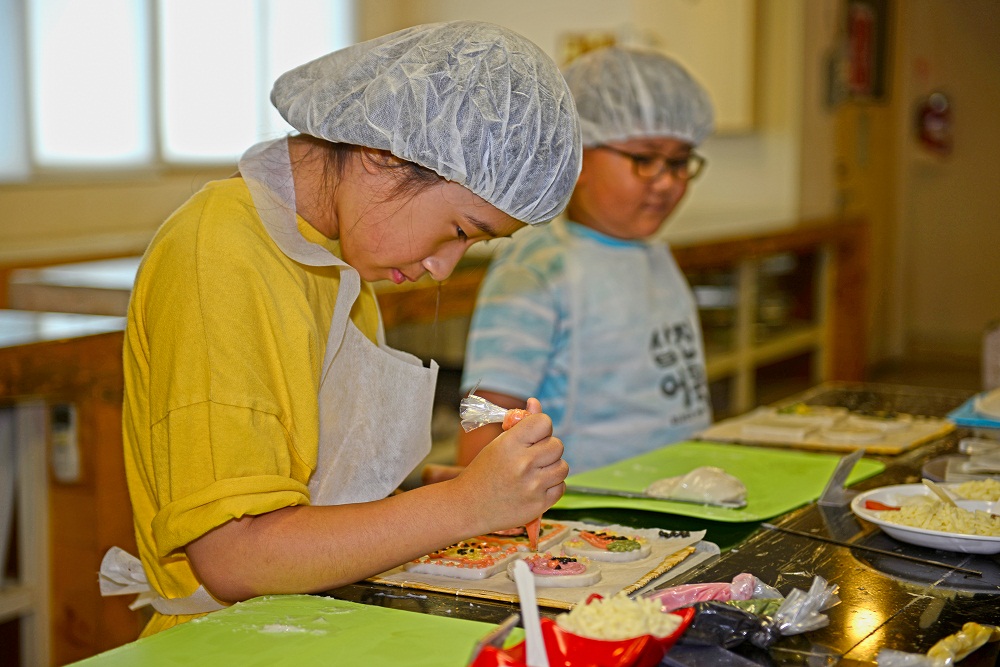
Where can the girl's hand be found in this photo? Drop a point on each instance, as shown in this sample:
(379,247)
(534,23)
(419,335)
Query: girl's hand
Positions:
(518,476)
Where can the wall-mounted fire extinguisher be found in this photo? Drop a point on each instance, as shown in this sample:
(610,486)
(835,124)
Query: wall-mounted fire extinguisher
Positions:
(934,124)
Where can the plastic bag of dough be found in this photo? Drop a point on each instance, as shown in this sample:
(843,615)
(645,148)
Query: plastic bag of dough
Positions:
(719,624)
(706,484)
(743,587)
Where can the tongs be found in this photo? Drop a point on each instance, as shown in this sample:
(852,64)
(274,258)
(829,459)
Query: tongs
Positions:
(496,637)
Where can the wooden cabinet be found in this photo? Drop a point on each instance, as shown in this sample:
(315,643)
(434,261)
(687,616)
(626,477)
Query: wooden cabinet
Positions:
(81,517)
(780,312)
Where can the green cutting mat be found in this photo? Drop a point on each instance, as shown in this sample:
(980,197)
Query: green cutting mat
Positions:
(777,480)
(304,630)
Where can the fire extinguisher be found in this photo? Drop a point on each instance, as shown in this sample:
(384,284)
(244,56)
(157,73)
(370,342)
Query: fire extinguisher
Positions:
(934,124)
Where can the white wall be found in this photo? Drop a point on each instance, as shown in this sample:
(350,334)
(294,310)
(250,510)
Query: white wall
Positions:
(752,182)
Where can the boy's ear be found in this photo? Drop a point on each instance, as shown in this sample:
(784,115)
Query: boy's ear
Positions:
(374,160)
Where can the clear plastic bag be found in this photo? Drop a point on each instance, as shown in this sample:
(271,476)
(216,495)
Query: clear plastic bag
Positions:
(476,411)
(947,652)
(718,624)
(743,587)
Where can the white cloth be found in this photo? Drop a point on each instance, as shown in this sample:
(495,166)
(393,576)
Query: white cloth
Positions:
(375,402)
(122,574)
(667,385)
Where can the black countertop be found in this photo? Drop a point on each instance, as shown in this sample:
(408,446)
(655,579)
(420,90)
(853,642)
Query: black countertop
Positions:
(885,602)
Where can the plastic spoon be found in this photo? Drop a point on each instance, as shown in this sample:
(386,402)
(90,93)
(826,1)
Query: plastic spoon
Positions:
(939,492)
(533,640)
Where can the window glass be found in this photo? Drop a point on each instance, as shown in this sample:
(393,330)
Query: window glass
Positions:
(89,76)
(13,128)
(298,31)
(124,83)
(209,88)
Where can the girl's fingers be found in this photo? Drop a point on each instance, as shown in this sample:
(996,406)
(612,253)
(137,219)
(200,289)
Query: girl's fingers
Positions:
(547,452)
(512,417)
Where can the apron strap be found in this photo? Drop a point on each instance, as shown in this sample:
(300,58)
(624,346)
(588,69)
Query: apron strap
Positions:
(122,574)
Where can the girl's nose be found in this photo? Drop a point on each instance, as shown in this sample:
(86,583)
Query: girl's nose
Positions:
(443,262)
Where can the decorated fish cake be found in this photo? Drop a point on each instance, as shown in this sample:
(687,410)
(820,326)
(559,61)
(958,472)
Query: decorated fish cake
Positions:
(551,571)
(469,559)
(608,546)
(551,533)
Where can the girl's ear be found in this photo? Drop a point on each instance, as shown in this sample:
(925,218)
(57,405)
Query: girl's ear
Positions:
(375,160)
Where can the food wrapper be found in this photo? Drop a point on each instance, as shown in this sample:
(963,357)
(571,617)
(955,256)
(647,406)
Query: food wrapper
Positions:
(743,587)
(719,624)
(476,411)
(707,484)
(946,652)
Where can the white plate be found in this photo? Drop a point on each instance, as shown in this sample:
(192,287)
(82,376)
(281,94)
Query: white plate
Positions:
(935,539)
(988,404)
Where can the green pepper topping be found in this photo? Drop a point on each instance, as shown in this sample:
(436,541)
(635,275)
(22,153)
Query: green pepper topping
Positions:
(623,545)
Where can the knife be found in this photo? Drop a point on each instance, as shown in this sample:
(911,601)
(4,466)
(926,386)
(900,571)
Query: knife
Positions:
(594,491)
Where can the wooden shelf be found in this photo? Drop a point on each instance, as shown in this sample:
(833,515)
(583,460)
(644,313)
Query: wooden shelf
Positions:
(16,601)
(824,298)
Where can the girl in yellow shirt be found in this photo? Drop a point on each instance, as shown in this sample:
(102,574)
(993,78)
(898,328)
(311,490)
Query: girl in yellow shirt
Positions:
(266,423)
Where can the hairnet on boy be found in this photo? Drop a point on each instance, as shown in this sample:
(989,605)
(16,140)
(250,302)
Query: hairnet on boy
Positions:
(477,103)
(627,93)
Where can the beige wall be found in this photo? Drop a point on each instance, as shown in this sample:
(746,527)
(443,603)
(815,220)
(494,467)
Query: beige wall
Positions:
(90,217)
(949,219)
(934,281)
(752,182)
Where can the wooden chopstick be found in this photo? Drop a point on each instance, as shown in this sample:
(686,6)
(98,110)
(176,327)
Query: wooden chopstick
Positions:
(883,552)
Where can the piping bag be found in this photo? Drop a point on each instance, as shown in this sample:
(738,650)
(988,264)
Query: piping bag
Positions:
(476,411)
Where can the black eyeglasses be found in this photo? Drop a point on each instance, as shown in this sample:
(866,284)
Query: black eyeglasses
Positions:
(650,166)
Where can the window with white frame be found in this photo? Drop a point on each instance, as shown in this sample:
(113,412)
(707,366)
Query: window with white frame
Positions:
(120,84)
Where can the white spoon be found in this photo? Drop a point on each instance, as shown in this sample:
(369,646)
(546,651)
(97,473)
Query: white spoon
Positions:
(940,492)
(534,643)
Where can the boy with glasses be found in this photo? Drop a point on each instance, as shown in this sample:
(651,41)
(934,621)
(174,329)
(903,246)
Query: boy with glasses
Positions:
(591,314)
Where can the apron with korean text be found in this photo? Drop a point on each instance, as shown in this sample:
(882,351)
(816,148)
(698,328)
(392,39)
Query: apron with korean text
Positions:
(624,298)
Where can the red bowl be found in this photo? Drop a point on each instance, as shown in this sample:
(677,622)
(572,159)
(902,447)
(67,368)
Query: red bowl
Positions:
(566,649)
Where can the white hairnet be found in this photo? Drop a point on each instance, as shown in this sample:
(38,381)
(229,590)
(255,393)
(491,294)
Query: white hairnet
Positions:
(626,93)
(477,103)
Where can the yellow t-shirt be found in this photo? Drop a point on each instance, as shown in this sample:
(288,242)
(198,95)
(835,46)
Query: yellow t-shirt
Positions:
(223,353)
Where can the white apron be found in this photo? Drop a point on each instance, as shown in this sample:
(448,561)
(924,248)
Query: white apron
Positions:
(622,298)
(375,402)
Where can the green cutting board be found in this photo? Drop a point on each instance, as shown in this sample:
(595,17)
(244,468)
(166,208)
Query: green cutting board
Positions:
(777,480)
(304,630)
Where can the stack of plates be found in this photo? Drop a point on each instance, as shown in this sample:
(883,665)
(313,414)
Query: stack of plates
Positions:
(981,414)
(980,455)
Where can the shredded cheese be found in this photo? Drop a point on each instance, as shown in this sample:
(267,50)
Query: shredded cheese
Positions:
(981,489)
(619,617)
(936,515)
